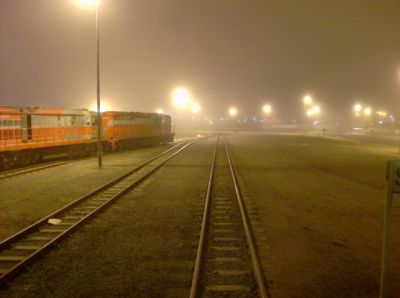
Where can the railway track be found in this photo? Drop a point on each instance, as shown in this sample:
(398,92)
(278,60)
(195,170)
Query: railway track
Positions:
(34,168)
(226,264)
(26,246)
(46,165)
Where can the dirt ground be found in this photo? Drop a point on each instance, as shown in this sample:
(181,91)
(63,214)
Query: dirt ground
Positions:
(25,199)
(321,205)
(143,246)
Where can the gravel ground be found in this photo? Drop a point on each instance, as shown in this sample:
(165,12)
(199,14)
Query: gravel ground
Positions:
(321,204)
(318,203)
(143,246)
(25,199)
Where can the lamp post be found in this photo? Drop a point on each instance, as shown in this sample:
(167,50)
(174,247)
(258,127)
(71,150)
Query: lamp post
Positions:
(267,111)
(86,3)
(99,126)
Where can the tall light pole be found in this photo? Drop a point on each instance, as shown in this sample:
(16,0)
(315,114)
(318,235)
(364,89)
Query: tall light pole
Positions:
(99,126)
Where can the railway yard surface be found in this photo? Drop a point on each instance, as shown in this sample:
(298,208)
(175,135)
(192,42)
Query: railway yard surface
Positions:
(315,206)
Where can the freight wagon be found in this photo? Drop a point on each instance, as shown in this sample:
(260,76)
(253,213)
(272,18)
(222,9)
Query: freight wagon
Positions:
(30,134)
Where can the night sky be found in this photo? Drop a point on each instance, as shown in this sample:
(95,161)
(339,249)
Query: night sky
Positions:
(225,52)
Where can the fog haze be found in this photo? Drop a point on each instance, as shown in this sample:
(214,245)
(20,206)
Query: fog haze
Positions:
(226,53)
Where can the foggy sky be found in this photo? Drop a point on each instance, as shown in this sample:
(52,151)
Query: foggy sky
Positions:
(226,52)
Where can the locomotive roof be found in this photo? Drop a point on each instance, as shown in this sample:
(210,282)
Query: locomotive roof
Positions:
(42,111)
(135,114)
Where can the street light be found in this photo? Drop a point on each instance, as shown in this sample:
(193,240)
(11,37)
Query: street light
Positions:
(87,2)
(195,107)
(267,109)
(357,108)
(316,109)
(232,112)
(181,97)
(99,128)
(367,111)
(382,114)
(307,100)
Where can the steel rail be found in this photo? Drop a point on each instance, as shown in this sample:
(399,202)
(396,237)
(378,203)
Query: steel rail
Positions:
(4,174)
(203,232)
(34,226)
(263,292)
(13,271)
(33,168)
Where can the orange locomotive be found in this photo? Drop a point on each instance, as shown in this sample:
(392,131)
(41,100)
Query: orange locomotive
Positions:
(30,134)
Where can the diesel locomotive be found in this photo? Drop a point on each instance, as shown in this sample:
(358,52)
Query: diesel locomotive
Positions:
(28,135)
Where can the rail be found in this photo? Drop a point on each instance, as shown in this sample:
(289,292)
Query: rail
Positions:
(225,225)
(24,247)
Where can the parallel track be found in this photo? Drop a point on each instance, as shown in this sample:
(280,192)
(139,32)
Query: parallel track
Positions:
(34,168)
(227,264)
(4,174)
(24,247)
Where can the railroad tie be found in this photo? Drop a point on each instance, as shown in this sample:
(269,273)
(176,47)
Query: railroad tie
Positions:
(227,288)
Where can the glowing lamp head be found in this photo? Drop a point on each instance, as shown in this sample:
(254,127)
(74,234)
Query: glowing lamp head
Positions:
(181,97)
(316,109)
(267,109)
(104,107)
(307,100)
(195,107)
(381,114)
(159,111)
(233,112)
(357,108)
(87,2)
(310,112)
(367,111)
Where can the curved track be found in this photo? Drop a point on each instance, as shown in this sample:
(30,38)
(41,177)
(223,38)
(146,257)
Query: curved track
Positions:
(24,247)
(227,264)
